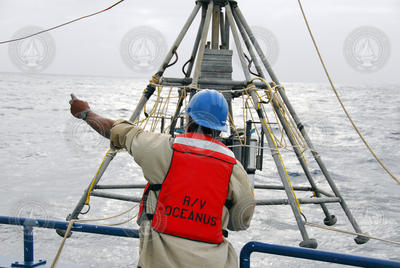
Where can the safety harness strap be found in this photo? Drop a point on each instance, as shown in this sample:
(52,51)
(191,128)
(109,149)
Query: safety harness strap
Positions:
(228,204)
(154,187)
(145,215)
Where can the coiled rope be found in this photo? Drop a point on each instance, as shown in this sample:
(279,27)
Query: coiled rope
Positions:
(61,25)
(340,100)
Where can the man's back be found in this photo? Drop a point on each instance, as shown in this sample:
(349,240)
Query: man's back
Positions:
(154,152)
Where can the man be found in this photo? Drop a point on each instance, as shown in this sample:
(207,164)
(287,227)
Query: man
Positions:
(196,187)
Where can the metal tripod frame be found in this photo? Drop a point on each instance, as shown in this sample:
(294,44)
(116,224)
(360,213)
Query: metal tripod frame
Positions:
(234,22)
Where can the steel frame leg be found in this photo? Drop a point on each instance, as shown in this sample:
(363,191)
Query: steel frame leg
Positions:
(81,203)
(329,219)
(146,96)
(203,41)
(197,41)
(307,242)
(182,97)
(150,88)
(359,239)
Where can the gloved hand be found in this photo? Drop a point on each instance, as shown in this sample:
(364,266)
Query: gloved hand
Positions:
(78,106)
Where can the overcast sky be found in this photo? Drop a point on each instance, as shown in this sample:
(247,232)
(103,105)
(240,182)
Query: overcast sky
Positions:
(92,46)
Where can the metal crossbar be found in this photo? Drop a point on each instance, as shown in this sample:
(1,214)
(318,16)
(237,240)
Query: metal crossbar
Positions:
(210,66)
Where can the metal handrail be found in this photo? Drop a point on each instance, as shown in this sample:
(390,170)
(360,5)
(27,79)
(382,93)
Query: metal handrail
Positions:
(311,254)
(247,250)
(29,224)
(77,227)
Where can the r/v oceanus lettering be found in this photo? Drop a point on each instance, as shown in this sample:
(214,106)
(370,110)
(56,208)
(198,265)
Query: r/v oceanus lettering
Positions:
(191,209)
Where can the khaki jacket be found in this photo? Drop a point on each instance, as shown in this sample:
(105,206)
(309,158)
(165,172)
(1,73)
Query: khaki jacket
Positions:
(153,153)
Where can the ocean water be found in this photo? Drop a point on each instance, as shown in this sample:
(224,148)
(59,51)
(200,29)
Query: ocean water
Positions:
(48,158)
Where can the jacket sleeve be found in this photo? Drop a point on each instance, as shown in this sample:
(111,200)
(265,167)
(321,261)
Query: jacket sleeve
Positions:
(242,197)
(148,149)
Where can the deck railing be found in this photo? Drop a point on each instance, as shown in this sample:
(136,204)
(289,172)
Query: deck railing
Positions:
(311,254)
(303,253)
(28,225)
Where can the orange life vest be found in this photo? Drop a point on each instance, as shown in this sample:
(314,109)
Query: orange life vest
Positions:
(194,192)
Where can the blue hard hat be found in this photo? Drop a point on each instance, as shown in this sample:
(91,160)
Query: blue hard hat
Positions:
(208,108)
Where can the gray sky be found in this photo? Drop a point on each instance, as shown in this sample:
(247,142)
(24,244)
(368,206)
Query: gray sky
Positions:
(92,46)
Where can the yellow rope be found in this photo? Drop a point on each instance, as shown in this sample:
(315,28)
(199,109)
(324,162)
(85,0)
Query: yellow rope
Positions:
(71,223)
(289,120)
(245,110)
(252,119)
(339,99)
(145,120)
(234,127)
(275,96)
(281,140)
(293,130)
(95,178)
(283,165)
(163,110)
(273,138)
(156,114)
(350,233)
(123,222)
(251,87)
(180,98)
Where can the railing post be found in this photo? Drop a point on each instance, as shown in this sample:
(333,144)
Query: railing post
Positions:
(245,255)
(28,244)
(29,223)
(28,250)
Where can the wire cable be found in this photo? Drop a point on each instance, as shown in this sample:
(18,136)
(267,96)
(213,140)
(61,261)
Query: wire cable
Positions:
(339,99)
(61,25)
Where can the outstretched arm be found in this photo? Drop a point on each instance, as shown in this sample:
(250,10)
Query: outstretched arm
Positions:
(81,109)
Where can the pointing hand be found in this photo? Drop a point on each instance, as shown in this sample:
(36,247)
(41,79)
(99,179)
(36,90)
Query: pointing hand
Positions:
(77,106)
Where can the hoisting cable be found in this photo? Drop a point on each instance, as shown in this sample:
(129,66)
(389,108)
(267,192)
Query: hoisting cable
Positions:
(250,63)
(339,99)
(61,25)
(175,61)
(184,66)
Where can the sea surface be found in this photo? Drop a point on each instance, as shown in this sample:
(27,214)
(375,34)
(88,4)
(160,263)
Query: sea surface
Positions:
(48,158)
